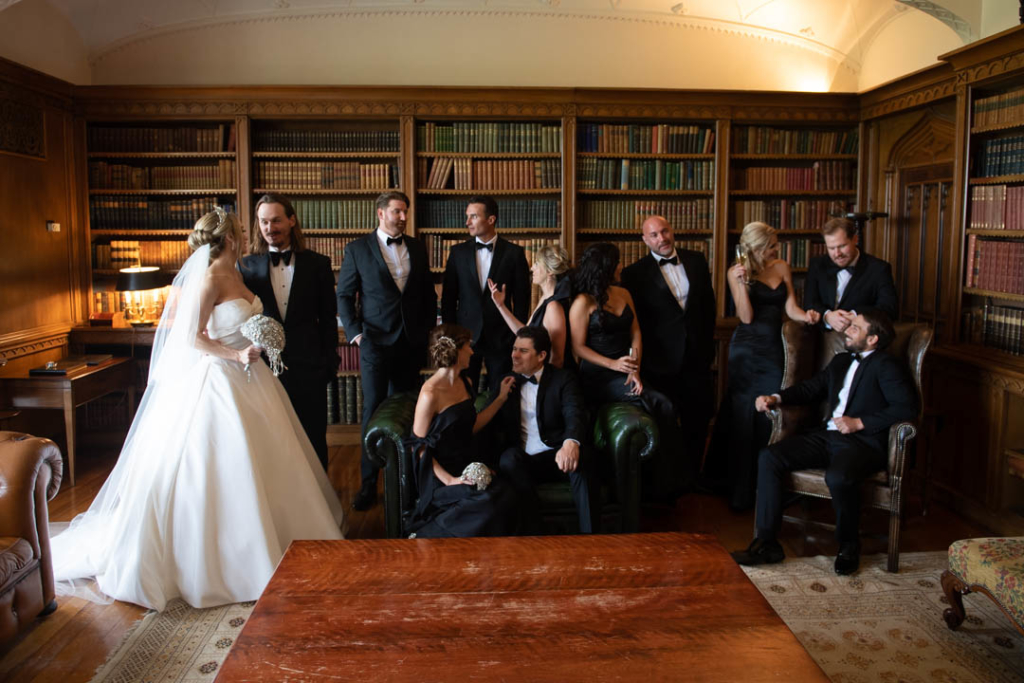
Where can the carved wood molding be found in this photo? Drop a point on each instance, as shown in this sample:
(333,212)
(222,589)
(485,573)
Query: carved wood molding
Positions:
(930,141)
(964,369)
(914,98)
(652,111)
(326,108)
(34,346)
(118,108)
(796,114)
(992,68)
(22,123)
(490,109)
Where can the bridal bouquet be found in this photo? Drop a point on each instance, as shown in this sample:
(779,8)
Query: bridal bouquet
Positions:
(477,473)
(268,334)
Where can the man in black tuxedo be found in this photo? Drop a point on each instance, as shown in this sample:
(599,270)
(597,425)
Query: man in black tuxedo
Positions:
(846,279)
(388,305)
(466,298)
(296,286)
(675,304)
(545,428)
(868,391)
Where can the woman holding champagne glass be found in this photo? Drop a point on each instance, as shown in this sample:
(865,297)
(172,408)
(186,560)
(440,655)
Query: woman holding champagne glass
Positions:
(761,285)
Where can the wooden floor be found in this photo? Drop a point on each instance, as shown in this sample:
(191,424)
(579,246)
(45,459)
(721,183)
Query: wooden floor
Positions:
(69,645)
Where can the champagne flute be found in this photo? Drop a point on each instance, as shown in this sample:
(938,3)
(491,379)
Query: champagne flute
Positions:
(741,258)
(632,357)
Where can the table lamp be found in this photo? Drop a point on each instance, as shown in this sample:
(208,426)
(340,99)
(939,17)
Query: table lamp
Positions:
(142,293)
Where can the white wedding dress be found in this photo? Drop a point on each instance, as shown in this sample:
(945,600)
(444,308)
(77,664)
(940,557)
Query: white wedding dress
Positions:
(216,478)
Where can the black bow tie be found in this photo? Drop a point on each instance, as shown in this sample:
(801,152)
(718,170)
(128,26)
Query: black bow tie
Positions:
(395,240)
(834,269)
(489,246)
(674,261)
(857,357)
(532,379)
(277,256)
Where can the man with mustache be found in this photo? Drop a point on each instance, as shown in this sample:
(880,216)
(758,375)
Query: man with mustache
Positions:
(868,391)
(388,305)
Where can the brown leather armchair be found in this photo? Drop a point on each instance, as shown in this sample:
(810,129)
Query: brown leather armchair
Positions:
(30,474)
(806,350)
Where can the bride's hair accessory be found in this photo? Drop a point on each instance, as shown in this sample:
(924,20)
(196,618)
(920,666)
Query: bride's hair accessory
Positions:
(447,344)
(268,334)
(222,217)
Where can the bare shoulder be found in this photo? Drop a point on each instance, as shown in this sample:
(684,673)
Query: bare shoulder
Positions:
(781,267)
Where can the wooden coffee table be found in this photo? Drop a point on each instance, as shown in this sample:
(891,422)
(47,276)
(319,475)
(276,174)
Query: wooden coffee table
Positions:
(630,607)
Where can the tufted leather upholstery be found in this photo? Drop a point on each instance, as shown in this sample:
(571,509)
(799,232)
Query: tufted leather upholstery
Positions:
(624,436)
(30,475)
(807,349)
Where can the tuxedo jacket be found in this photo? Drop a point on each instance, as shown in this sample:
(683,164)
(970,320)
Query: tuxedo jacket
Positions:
(465,303)
(384,313)
(882,393)
(673,338)
(311,328)
(870,287)
(560,411)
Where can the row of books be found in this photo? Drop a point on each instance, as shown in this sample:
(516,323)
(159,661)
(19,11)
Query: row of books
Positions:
(682,215)
(631,251)
(654,174)
(1000,156)
(325,175)
(512,213)
(799,252)
(106,302)
(439,246)
(345,400)
(822,175)
(336,214)
(326,141)
(167,254)
(995,265)
(348,358)
(769,140)
(1007,107)
(216,138)
(466,174)
(636,138)
(491,137)
(219,174)
(787,214)
(998,327)
(143,213)
(333,247)
(997,207)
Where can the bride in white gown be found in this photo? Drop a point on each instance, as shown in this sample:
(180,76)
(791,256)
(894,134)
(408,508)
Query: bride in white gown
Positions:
(217,476)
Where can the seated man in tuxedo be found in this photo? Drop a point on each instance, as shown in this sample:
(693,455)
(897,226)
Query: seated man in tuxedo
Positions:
(846,279)
(545,428)
(868,391)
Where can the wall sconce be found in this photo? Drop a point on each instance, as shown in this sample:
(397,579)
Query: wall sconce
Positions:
(143,294)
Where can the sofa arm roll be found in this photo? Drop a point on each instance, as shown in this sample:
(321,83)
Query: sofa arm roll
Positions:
(30,474)
(390,424)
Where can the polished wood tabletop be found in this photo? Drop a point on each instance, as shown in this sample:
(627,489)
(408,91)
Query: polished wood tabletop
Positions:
(629,607)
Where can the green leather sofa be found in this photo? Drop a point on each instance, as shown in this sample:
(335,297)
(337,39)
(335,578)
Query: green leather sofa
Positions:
(624,437)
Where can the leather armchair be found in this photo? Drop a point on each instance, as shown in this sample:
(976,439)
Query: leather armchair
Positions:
(808,349)
(30,475)
(624,437)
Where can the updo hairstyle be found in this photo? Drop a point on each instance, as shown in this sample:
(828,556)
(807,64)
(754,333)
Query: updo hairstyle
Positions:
(755,240)
(213,228)
(555,260)
(444,344)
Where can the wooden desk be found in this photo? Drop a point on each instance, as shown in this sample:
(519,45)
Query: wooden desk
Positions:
(631,607)
(67,392)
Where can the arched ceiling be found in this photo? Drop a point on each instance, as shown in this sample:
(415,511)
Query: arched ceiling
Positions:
(843,28)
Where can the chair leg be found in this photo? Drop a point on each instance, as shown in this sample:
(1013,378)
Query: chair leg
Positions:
(49,609)
(954,589)
(895,522)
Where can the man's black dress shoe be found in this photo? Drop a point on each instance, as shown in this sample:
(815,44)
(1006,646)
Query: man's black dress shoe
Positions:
(848,559)
(366,497)
(760,551)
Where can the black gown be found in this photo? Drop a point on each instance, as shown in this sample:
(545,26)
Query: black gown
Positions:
(460,510)
(755,369)
(563,296)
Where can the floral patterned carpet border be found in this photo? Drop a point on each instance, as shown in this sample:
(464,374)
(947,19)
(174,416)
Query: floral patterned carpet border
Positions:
(877,626)
(873,626)
(178,645)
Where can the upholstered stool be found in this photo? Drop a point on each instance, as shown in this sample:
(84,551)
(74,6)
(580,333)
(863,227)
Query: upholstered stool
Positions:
(993,567)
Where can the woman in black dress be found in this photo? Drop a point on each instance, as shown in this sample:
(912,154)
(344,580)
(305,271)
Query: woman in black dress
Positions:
(606,340)
(761,290)
(551,273)
(441,444)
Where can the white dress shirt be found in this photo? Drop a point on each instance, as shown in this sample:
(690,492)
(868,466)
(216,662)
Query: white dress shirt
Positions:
(844,393)
(397,257)
(675,278)
(483,260)
(281,281)
(528,425)
(843,278)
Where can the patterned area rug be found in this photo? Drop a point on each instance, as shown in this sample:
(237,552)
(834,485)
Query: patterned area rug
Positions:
(877,626)
(874,626)
(178,645)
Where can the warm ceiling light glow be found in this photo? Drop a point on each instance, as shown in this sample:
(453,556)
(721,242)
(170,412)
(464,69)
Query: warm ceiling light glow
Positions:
(811,81)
